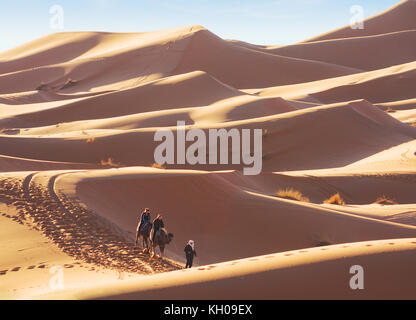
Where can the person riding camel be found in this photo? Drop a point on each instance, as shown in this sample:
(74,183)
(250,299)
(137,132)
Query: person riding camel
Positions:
(157,225)
(144,219)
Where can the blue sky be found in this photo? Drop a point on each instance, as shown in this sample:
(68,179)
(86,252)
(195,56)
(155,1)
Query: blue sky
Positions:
(271,22)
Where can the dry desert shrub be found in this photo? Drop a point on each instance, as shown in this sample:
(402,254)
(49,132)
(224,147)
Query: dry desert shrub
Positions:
(158,166)
(109,163)
(385,200)
(42,86)
(292,194)
(323,243)
(390,110)
(69,83)
(335,199)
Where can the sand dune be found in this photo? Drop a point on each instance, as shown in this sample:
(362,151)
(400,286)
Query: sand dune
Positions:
(241,107)
(105,61)
(206,50)
(168,93)
(373,132)
(78,114)
(286,275)
(119,62)
(12,164)
(380,86)
(365,53)
(221,216)
(398,18)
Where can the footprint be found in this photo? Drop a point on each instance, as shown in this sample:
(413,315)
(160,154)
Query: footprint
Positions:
(31,267)
(288,254)
(268,257)
(368,245)
(201,268)
(42,266)
(253,259)
(391,243)
(211,267)
(68,266)
(303,251)
(324,248)
(15,269)
(3,272)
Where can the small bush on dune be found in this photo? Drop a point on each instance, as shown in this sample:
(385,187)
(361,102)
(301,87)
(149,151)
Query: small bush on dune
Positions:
(323,243)
(292,194)
(109,163)
(69,83)
(158,166)
(42,87)
(335,199)
(385,200)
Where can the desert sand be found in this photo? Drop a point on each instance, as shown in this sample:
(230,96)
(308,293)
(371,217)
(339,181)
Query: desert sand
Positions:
(78,113)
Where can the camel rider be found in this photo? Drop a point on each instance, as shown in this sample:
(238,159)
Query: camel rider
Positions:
(157,225)
(144,218)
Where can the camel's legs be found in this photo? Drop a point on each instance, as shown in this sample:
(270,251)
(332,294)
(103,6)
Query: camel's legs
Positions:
(145,244)
(137,238)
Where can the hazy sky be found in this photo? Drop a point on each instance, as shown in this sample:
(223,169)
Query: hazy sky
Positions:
(256,21)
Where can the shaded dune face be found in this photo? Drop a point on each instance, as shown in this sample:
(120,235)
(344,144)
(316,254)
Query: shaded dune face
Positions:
(381,51)
(337,113)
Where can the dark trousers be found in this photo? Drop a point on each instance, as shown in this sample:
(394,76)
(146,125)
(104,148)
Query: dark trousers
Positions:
(189,261)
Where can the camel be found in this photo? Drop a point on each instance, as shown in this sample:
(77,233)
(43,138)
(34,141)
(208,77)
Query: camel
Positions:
(162,238)
(145,234)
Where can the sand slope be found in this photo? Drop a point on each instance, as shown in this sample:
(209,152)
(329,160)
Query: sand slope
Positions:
(364,52)
(397,18)
(380,86)
(316,273)
(374,131)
